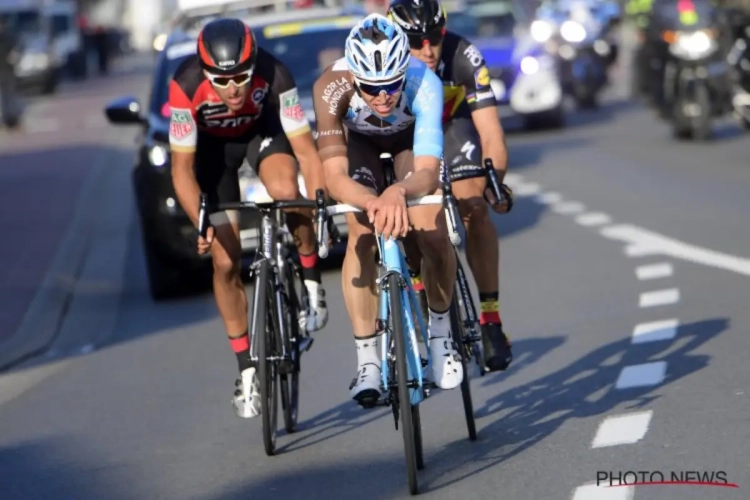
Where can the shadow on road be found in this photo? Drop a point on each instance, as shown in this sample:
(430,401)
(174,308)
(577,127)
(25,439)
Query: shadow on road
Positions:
(522,418)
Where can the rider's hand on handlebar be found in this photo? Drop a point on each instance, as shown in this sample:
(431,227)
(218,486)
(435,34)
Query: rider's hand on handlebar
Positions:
(204,245)
(388,213)
(507,203)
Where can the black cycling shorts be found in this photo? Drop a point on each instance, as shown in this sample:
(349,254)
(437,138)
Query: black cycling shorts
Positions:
(365,165)
(462,149)
(218,160)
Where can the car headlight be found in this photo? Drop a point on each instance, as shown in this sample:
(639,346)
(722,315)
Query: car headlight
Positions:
(531,65)
(34,61)
(541,31)
(692,45)
(572,32)
(160,41)
(158,156)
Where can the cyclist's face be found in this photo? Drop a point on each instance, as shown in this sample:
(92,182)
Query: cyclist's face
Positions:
(232,90)
(381,98)
(427,48)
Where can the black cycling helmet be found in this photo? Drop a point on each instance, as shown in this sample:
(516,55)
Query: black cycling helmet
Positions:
(227,47)
(418,17)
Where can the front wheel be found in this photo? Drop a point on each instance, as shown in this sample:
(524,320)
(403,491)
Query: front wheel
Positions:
(265,336)
(402,380)
(290,381)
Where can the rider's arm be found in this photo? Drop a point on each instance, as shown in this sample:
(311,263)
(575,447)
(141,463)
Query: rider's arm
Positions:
(473,74)
(428,135)
(297,129)
(332,141)
(183,140)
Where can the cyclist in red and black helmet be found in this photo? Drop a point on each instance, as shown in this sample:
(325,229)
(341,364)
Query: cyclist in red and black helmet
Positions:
(469,106)
(234,101)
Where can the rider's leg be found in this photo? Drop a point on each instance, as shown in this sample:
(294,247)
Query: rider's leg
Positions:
(359,273)
(220,184)
(482,242)
(439,277)
(277,169)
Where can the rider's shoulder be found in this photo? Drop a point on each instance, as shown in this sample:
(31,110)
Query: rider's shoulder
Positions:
(335,74)
(189,75)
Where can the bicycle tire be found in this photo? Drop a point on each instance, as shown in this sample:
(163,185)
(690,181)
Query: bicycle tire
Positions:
(290,382)
(266,338)
(458,333)
(402,380)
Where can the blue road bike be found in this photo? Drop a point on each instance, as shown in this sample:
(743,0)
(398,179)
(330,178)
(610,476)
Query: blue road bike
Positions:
(404,367)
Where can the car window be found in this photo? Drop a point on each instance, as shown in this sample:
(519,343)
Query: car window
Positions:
(60,24)
(306,54)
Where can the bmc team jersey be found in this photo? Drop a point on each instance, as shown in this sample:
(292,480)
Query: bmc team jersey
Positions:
(465,77)
(196,108)
(337,103)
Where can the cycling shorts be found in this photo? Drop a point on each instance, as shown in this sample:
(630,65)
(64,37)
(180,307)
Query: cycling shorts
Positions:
(365,165)
(463,149)
(218,160)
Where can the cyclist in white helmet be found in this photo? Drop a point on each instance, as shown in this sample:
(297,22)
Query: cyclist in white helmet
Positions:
(377,99)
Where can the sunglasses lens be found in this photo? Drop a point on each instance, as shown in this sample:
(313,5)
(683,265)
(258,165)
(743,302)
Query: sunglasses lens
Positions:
(417,41)
(223,81)
(388,88)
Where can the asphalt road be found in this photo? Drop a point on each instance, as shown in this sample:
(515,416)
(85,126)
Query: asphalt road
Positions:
(144,410)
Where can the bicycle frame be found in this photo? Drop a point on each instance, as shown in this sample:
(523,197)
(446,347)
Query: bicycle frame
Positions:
(393,261)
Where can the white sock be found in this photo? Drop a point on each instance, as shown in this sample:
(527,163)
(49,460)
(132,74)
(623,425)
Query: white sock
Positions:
(439,325)
(312,289)
(368,349)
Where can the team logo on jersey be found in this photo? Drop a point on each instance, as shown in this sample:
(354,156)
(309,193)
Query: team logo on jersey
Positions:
(181,124)
(259,93)
(291,107)
(482,77)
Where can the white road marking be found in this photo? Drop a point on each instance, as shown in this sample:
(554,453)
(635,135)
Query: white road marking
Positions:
(603,492)
(642,242)
(549,198)
(17,382)
(647,374)
(622,429)
(528,189)
(569,208)
(655,331)
(659,297)
(513,180)
(654,271)
(593,219)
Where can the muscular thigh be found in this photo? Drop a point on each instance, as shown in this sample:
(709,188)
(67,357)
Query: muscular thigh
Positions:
(463,150)
(365,165)
(216,165)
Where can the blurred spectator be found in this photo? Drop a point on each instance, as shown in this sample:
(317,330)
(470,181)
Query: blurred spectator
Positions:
(8,58)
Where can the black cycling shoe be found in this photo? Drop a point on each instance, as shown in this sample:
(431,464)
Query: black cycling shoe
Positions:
(497,349)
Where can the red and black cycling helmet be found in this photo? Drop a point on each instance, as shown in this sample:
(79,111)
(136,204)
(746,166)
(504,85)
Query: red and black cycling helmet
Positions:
(227,47)
(420,19)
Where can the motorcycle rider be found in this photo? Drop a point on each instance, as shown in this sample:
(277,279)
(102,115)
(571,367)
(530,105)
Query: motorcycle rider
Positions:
(472,132)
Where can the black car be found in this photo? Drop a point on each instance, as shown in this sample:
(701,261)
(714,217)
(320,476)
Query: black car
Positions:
(169,236)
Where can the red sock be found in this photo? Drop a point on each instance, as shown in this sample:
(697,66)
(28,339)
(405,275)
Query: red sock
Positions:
(416,283)
(240,344)
(309,261)
(490,308)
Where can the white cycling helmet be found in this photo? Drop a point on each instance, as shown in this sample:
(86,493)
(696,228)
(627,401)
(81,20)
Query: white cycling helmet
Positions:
(377,50)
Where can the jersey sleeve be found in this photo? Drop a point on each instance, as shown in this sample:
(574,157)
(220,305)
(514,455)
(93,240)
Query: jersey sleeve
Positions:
(331,95)
(183,128)
(428,126)
(470,71)
(285,96)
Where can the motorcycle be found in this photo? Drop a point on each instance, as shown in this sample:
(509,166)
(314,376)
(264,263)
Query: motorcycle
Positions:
(582,47)
(739,60)
(696,82)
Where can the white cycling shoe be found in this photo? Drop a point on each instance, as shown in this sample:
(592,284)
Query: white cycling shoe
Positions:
(246,399)
(314,317)
(447,370)
(365,388)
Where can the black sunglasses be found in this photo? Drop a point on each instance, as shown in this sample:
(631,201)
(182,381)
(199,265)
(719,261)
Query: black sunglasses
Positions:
(374,89)
(417,40)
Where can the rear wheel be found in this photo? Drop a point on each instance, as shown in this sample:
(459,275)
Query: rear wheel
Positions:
(402,380)
(290,381)
(459,337)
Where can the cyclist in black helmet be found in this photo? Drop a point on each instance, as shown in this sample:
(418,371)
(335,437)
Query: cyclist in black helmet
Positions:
(469,106)
(231,101)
